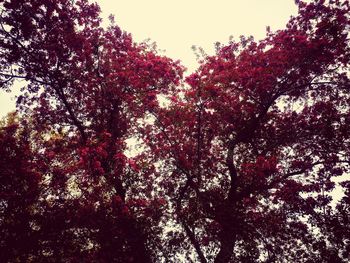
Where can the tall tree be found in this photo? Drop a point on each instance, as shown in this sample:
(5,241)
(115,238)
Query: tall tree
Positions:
(85,90)
(251,147)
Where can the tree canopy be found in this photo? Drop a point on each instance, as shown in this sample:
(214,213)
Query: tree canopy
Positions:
(237,162)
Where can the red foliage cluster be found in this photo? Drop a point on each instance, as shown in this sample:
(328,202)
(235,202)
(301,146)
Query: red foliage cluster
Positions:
(239,165)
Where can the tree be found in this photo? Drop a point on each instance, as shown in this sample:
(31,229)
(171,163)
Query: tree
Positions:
(86,88)
(238,166)
(264,130)
(19,191)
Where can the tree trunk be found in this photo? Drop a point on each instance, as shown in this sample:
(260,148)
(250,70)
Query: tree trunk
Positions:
(227,243)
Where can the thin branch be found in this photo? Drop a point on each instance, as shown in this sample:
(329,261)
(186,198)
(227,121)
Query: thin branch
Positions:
(162,129)
(199,136)
(232,170)
(279,179)
(188,231)
(24,77)
(75,120)
(194,242)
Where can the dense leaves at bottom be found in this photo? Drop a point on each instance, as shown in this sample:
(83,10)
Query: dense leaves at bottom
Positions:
(112,156)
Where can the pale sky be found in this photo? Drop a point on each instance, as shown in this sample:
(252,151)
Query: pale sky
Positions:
(177,25)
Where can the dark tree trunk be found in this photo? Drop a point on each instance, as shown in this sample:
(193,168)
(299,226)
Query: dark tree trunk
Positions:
(137,241)
(227,243)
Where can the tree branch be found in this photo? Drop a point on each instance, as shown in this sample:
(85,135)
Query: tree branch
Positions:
(194,242)
(76,122)
(199,135)
(232,170)
(188,231)
(24,77)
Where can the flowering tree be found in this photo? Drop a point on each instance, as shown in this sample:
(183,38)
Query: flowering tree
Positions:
(255,143)
(84,90)
(238,166)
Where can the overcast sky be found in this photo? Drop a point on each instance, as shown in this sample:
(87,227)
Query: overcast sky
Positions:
(177,25)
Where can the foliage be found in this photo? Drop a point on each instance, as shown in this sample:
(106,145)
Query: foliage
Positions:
(238,166)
